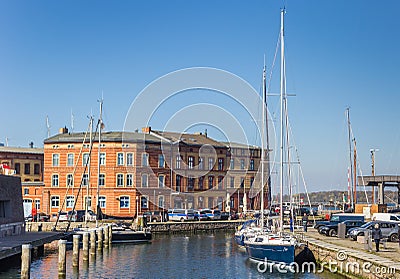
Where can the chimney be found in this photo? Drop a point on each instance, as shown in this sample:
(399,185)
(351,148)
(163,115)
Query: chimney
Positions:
(63,130)
(146,130)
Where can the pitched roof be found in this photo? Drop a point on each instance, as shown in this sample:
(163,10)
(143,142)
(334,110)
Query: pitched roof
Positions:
(189,139)
(25,150)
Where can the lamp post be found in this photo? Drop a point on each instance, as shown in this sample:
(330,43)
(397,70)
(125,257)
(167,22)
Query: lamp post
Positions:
(137,207)
(373,150)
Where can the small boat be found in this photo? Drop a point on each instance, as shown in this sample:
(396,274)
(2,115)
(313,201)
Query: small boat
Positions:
(123,234)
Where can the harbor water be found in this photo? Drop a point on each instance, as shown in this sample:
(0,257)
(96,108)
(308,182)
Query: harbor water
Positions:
(201,255)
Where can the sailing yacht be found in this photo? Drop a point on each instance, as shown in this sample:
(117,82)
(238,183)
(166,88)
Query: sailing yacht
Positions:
(278,247)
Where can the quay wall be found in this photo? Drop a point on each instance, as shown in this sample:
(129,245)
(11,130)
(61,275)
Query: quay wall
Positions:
(351,263)
(174,227)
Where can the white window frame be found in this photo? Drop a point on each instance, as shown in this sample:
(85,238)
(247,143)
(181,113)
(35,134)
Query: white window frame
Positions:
(129,180)
(102,201)
(70,159)
(124,202)
(161,161)
(120,159)
(102,159)
(55,201)
(120,180)
(144,180)
(161,181)
(102,178)
(70,201)
(55,160)
(55,182)
(129,159)
(145,159)
(70,178)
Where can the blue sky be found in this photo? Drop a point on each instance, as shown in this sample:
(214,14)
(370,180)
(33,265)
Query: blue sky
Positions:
(61,56)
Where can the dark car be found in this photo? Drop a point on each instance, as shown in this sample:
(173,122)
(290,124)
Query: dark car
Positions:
(225,215)
(332,229)
(39,217)
(76,215)
(200,215)
(153,216)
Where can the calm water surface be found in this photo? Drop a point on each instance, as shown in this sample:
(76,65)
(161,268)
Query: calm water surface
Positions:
(211,255)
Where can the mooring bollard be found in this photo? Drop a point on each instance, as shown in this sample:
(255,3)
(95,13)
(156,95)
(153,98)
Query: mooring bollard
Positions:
(100,239)
(75,250)
(106,236)
(85,246)
(93,242)
(62,264)
(26,261)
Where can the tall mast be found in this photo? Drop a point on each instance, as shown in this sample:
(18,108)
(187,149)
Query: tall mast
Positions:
(263,148)
(89,163)
(282,98)
(350,154)
(98,163)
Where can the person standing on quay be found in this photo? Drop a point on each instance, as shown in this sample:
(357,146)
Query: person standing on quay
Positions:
(377,235)
(305,221)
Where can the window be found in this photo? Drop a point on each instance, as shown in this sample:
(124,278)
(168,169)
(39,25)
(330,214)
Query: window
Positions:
(88,202)
(220,164)
(161,161)
(129,180)
(102,159)
(201,163)
(54,180)
(26,191)
(70,180)
(129,159)
(56,160)
(85,179)
(161,181)
(17,168)
(70,201)
(252,164)
(120,159)
(201,181)
(210,182)
(102,201)
(178,183)
(55,201)
(144,180)
(37,204)
(120,180)
(70,159)
(232,184)
(210,163)
(144,202)
(190,183)
(251,181)
(124,202)
(27,169)
(36,169)
(242,182)
(232,164)
(220,182)
(178,161)
(85,159)
(242,164)
(161,201)
(145,160)
(102,179)
(190,162)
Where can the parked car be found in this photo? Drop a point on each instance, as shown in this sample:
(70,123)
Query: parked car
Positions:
(332,229)
(216,214)
(338,218)
(38,217)
(389,230)
(62,216)
(79,215)
(200,215)
(385,217)
(225,215)
(153,216)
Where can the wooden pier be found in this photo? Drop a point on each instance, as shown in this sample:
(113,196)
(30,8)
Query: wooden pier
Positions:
(11,245)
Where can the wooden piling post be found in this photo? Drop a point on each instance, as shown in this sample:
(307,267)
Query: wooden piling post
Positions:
(110,234)
(106,236)
(93,242)
(75,251)
(85,246)
(62,264)
(100,239)
(26,261)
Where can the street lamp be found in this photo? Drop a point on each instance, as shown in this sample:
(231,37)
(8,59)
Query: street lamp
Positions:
(137,208)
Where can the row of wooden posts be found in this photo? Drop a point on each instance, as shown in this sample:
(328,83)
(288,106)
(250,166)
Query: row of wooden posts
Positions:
(104,238)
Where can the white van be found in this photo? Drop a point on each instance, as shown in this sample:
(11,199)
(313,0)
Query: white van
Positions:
(178,214)
(385,217)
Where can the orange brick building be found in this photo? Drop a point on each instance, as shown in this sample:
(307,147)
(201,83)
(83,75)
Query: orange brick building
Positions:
(135,172)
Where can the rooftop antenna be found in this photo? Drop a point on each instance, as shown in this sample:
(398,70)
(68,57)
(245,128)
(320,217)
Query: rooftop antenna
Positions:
(48,126)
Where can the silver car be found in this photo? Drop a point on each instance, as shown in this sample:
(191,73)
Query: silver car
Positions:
(390,230)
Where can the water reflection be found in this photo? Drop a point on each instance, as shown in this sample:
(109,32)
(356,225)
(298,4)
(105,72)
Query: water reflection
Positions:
(204,255)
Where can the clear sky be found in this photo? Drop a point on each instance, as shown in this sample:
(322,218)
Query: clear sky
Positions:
(58,57)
